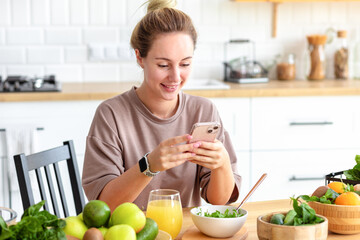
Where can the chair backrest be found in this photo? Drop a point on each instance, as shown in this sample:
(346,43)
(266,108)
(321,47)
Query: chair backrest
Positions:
(41,162)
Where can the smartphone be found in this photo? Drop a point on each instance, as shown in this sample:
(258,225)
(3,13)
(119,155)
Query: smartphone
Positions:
(204,131)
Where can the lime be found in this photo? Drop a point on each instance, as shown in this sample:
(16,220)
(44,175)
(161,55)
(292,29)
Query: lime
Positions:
(96,213)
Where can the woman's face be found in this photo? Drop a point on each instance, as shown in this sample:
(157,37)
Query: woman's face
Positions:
(167,65)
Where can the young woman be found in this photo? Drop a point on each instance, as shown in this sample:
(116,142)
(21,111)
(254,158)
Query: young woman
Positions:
(138,140)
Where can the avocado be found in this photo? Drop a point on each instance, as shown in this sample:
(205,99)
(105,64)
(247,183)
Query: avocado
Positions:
(277,219)
(149,232)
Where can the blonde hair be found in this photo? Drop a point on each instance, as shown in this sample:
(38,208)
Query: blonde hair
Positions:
(161,17)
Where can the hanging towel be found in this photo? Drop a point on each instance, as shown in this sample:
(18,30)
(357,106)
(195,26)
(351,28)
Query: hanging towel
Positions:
(19,139)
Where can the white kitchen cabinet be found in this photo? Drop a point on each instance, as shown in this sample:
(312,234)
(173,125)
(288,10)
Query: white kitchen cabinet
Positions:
(298,140)
(294,173)
(305,123)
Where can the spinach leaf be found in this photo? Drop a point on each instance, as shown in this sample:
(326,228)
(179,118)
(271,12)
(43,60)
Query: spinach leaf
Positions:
(36,225)
(305,215)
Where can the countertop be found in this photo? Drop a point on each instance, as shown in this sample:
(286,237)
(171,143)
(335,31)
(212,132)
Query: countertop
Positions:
(256,209)
(274,88)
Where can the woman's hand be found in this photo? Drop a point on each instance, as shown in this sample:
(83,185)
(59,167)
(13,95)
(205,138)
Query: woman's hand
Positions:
(171,153)
(212,155)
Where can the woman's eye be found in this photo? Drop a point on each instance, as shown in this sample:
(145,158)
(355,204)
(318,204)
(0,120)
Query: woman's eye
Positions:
(163,65)
(185,64)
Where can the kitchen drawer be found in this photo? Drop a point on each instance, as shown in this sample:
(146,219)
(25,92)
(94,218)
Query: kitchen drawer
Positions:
(304,123)
(235,114)
(293,173)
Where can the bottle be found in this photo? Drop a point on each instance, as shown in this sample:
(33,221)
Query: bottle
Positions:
(316,52)
(341,58)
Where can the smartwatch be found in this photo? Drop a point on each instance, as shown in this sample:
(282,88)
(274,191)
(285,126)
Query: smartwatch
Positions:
(144,167)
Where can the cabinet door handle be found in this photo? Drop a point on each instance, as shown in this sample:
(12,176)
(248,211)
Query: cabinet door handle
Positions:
(294,178)
(310,123)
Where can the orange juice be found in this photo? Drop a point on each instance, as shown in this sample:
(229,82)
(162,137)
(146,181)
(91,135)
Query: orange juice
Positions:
(167,214)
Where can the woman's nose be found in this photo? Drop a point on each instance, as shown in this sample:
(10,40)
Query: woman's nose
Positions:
(175,74)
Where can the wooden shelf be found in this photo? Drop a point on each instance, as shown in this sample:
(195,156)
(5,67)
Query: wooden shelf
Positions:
(277,2)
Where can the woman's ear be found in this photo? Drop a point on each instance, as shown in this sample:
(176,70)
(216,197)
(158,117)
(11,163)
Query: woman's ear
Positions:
(139,59)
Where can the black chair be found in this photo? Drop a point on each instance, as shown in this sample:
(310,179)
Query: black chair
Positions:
(41,162)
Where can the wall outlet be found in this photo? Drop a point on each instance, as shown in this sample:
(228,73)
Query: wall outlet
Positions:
(110,52)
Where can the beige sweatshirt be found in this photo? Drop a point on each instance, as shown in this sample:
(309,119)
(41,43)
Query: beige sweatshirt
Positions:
(123,130)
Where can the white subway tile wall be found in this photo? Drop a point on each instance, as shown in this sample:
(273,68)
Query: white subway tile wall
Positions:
(52,36)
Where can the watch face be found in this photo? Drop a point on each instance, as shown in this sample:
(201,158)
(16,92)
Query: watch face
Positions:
(142,164)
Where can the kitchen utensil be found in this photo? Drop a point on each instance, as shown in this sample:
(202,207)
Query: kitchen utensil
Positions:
(243,68)
(261,179)
(342,219)
(267,230)
(218,227)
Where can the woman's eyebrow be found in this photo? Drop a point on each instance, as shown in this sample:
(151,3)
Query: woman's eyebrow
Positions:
(167,59)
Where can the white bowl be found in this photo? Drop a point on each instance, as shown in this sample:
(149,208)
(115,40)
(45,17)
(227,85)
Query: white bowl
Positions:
(217,227)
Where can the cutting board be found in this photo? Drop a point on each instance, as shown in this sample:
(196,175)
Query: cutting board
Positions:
(192,233)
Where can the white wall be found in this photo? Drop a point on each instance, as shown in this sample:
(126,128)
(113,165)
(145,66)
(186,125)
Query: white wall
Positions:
(40,37)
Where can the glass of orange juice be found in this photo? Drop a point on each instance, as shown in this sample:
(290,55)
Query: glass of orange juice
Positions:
(164,207)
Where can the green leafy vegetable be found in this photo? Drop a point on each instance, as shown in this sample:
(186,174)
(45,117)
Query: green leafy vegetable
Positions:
(304,214)
(218,214)
(328,198)
(354,173)
(35,224)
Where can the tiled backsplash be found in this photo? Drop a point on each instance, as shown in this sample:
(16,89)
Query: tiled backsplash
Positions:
(40,37)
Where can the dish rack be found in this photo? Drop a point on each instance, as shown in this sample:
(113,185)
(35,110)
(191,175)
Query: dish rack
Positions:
(338,177)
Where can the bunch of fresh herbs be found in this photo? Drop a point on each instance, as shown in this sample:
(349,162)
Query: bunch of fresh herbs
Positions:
(304,213)
(218,214)
(34,224)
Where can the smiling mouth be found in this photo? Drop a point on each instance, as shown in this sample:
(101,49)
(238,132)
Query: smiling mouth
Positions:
(173,87)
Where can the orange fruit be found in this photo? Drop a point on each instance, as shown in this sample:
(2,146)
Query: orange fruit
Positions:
(337,186)
(348,198)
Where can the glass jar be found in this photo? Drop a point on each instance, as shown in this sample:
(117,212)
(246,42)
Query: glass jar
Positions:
(286,69)
(341,57)
(317,62)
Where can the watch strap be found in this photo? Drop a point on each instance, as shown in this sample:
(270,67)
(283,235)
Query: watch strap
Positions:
(144,166)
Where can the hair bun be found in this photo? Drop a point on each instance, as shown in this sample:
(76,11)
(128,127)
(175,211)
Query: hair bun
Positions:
(159,4)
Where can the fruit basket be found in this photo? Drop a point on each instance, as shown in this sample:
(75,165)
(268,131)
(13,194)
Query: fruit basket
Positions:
(339,177)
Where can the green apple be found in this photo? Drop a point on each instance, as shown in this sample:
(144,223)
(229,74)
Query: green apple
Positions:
(120,232)
(75,227)
(130,214)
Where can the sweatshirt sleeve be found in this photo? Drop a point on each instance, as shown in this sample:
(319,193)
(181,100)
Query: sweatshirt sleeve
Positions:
(103,160)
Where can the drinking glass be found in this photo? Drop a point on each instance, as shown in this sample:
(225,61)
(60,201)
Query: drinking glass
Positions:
(164,207)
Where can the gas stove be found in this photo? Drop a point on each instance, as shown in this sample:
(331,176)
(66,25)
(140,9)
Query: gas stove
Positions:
(19,83)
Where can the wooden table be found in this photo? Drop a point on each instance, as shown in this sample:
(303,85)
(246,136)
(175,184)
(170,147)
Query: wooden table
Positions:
(256,209)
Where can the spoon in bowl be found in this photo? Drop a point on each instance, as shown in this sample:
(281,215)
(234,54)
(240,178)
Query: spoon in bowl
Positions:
(252,190)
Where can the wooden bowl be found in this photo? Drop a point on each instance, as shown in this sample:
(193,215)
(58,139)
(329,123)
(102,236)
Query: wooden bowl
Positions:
(269,231)
(342,219)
